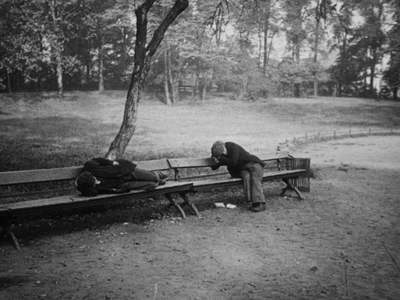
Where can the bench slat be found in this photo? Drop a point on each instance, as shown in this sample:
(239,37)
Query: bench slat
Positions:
(190,162)
(40,175)
(77,199)
(203,162)
(54,174)
(154,165)
(234,181)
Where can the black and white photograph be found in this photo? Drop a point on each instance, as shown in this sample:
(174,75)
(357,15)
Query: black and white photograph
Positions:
(199,149)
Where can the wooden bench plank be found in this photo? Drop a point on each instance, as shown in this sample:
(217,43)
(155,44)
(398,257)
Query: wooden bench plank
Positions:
(154,165)
(205,162)
(54,174)
(71,200)
(39,175)
(190,162)
(268,176)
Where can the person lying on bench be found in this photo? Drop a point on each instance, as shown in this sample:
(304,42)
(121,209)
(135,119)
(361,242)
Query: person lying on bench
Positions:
(242,164)
(104,176)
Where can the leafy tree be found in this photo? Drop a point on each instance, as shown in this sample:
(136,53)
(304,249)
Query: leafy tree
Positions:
(392,74)
(343,71)
(20,45)
(322,8)
(55,19)
(295,32)
(362,47)
(35,35)
(371,37)
(143,55)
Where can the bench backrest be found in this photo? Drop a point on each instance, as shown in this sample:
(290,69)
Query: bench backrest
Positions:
(192,168)
(60,174)
(182,169)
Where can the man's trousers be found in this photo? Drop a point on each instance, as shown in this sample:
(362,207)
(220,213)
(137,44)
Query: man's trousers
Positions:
(252,176)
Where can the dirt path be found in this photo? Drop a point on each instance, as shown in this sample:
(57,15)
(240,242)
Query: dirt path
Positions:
(340,243)
(373,152)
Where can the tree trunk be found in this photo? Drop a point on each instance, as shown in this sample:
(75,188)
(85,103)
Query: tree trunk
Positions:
(395,90)
(142,60)
(101,69)
(260,46)
(365,75)
(196,85)
(170,78)
(57,49)
(270,46)
(169,88)
(372,76)
(128,126)
(101,56)
(266,28)
(9,88)
(316,44)
(296,87)
(60,90)
(371,82)
(124,56)
(88,75)
(175,90)
(296,90)
(166,79)
(167,91)
(243,88)
(203,89)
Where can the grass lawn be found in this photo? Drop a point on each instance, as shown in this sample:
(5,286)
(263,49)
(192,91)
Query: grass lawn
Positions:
(40,131)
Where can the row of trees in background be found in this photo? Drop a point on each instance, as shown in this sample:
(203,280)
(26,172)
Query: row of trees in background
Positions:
(364,46)
(250,48)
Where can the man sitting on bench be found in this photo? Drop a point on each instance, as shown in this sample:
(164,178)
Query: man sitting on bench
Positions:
(104,176)
(242,164)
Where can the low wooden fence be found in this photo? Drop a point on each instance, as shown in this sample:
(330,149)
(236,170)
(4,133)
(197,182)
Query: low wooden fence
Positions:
(317,137)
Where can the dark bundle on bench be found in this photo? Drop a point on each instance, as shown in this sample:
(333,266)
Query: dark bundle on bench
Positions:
(187,175)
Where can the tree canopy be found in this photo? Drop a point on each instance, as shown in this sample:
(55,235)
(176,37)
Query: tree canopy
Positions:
(249,48)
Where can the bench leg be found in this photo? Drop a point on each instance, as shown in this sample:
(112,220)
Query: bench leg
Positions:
(7,231)
(176,204)
(14,238)
(186,199)
(290,186)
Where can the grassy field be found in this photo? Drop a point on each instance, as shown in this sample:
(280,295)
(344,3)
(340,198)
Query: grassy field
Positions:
(40,131)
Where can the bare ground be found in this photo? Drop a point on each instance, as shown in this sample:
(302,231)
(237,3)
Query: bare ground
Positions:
(340,243)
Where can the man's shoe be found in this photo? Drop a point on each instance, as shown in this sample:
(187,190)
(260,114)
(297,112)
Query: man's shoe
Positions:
(257,207)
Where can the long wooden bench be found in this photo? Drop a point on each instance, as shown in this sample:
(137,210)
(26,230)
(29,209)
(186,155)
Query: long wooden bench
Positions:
(11,212)
(295,172)
(186,176)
